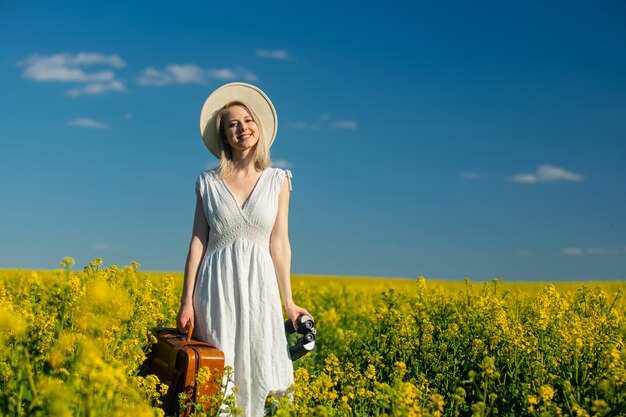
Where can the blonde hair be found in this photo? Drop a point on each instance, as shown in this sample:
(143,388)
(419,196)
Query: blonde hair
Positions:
(261,153)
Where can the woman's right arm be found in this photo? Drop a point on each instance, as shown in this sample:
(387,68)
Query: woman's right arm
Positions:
(197,247)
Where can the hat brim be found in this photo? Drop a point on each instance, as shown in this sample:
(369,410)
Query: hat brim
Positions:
(248,94)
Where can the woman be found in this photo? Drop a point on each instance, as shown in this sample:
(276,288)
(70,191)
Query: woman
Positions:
(239,253)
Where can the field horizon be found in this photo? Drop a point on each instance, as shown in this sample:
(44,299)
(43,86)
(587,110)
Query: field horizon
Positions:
(433,280)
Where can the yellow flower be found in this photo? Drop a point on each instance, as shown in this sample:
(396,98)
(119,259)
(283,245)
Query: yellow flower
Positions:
(546,393)
(370,372)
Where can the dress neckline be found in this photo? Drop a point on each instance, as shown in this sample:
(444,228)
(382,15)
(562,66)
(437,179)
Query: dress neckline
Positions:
(248,200)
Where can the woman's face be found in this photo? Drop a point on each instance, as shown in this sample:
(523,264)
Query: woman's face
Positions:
(240,130)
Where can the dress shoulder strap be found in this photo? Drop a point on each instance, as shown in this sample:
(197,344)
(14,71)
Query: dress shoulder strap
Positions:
(288,175)
(204,179)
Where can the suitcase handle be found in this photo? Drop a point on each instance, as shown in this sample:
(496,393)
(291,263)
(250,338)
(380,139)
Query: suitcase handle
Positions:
(189,328)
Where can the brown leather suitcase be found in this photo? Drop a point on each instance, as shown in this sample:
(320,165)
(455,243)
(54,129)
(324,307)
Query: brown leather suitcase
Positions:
(175,359)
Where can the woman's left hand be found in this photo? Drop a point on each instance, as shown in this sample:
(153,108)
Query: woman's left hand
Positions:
(294,311)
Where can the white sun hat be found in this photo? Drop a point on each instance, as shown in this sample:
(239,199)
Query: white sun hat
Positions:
(249,95)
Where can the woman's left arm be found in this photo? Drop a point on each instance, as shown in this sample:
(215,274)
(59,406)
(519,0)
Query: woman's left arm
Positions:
(281,254)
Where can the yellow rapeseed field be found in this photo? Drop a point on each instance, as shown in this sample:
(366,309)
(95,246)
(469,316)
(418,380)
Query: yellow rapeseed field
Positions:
(71,344)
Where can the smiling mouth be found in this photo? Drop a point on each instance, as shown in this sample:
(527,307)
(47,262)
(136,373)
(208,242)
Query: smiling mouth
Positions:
(243,137)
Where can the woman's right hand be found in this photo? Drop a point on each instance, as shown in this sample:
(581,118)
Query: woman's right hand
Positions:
(185,315)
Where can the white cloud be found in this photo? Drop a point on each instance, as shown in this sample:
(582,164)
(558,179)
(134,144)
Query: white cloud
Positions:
(324,121)
(96,88)
(591,251)
(87,123)
(224,74)
(66,67)
(278,54)
(128,116)
(246,75)
(89,58)
(523,253)
(344,124)
(186,74)
(597,251)
(572,251)
(281,163)
(472,176)
(298,125)
(154,77)
(100,246)
(602,251)
(528,178)
(191,74)
(552,173)
(548,172)
(303,126)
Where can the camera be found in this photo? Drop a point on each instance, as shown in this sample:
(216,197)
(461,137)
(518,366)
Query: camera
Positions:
(305,344)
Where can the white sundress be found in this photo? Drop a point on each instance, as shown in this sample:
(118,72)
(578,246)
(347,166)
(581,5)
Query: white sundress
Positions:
(236,298)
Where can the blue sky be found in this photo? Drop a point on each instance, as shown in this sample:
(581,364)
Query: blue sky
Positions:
(448,140)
